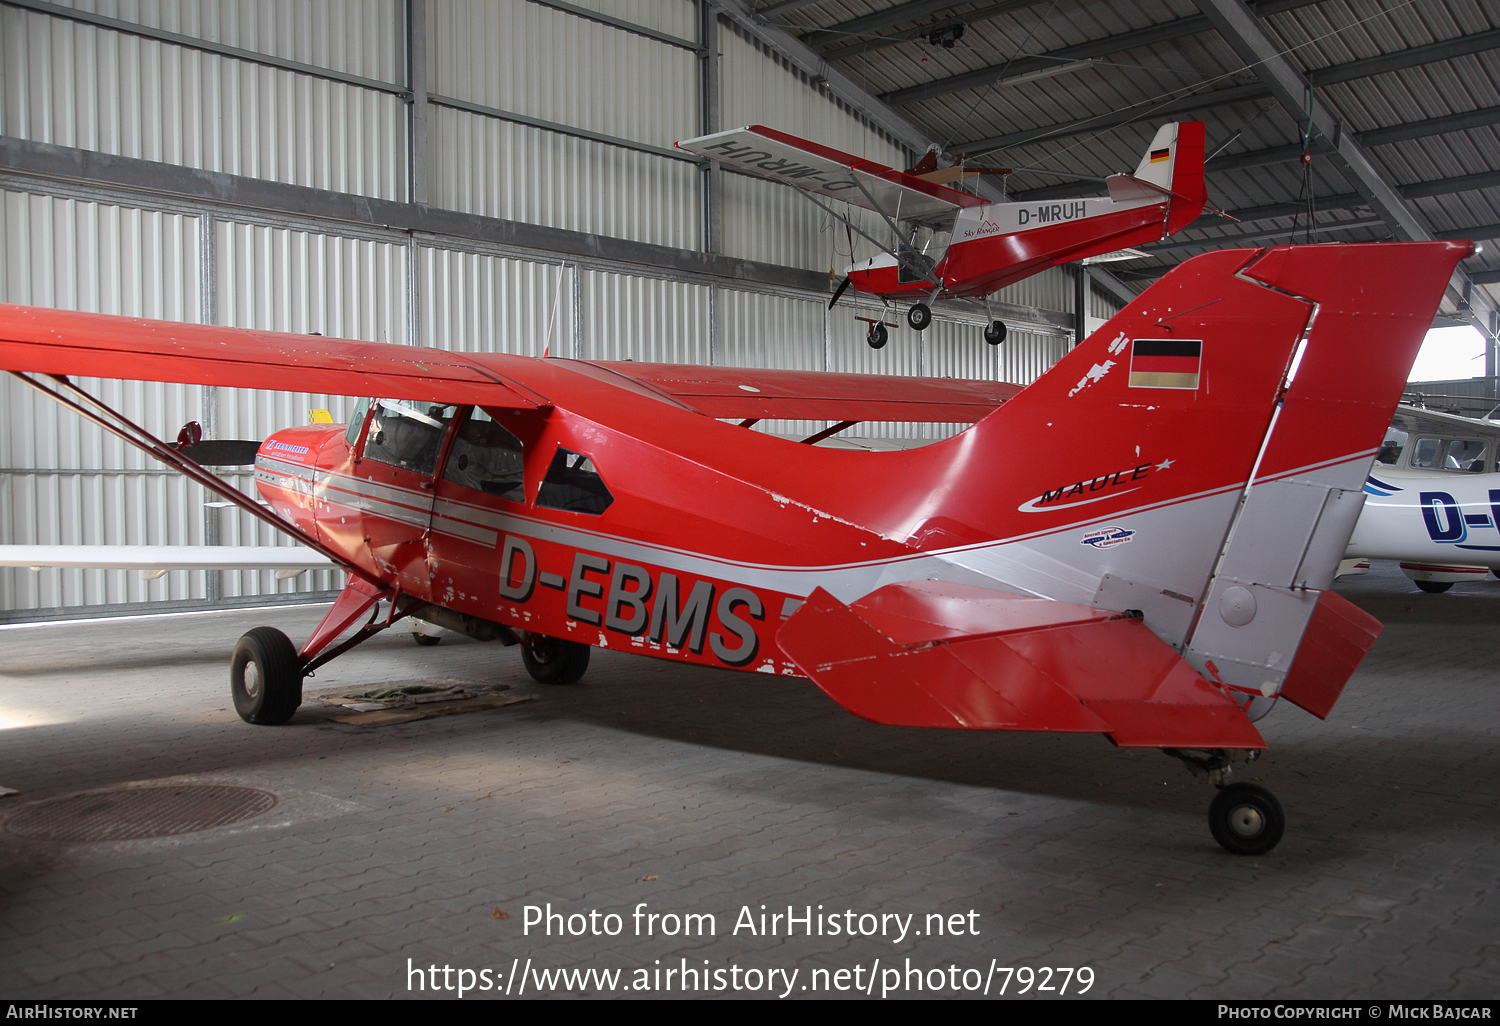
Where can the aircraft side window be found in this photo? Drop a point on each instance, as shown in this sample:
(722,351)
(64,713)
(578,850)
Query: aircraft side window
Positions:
(407,434)
(573,484)
(1427,452)
(1466,454)
(486,458)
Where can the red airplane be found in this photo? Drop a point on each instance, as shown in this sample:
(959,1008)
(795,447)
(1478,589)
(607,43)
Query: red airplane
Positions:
(1139,544)
(945,242)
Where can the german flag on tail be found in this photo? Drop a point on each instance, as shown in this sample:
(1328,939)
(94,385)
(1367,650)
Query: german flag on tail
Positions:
(1165,362)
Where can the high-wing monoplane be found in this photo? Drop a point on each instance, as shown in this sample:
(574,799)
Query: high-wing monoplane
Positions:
(1433,499)
(939,241)
(1139,544)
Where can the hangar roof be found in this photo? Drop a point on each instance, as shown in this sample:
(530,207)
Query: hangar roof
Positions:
(1067,91)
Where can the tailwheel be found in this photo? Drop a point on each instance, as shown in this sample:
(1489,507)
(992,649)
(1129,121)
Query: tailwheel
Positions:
(919,316)
(265,677)
(1246,819)
(554,660)
(995,333)
(878,336)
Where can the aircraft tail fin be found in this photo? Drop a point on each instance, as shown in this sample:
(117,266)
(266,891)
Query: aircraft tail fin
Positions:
(1174,163)
(1201,457)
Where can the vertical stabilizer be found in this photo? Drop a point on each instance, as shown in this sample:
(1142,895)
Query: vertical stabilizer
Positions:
(1121,478)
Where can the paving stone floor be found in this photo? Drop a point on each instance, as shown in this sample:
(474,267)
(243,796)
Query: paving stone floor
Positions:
(674,790)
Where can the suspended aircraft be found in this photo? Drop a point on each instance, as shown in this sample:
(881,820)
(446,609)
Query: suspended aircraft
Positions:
(943,242)
(1139,544)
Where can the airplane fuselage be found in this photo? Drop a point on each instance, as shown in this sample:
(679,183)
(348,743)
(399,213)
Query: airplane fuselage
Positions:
(996,244)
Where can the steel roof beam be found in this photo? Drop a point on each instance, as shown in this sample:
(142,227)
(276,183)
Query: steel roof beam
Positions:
(1483,117)
(1245,34)
(834,51)
(913,10)
(811,63)
(1148,36)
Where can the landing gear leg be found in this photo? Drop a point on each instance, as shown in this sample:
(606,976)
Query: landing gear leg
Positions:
(994,332)
(1246,819)
(266,672)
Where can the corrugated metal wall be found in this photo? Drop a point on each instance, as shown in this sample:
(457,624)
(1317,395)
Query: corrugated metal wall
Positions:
(339,123)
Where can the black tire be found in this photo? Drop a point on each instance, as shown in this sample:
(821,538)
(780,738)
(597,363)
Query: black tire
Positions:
(553,660)
(1433,587)
(878,336)
(995,333)
(919,316)
(426,640)
(1246,819)
(265,677)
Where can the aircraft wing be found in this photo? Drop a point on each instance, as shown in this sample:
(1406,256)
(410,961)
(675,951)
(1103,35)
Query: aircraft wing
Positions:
(154,561)
(64,342)
(818,395)
(824,171)
(935,654)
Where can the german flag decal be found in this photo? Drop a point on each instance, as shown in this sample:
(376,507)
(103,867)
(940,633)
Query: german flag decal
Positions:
(1165,362)
(1157,156)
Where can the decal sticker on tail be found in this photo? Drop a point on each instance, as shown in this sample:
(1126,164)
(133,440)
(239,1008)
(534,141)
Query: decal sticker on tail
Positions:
(1165,363)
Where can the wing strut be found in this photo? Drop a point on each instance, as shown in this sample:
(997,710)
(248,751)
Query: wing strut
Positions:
(122,427)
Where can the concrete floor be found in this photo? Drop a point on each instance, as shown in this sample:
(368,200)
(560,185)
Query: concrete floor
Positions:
(418,845)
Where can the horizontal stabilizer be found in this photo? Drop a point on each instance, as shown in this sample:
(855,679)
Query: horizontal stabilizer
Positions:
(935,654)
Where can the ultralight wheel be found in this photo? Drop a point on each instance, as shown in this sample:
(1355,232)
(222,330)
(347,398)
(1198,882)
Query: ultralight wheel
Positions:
(995,333)
(919,316)
(878,336)
(265,677)
(1246,819)
(553,660)
(1434,587)
(426,640)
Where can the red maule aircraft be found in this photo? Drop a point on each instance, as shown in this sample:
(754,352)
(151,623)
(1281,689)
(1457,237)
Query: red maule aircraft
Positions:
(945,242)
(1136,545)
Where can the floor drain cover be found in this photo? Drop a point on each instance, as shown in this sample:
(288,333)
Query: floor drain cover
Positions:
(133,813)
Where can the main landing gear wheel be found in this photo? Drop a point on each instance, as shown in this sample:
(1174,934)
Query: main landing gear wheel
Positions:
(995,333)
(1246,819)
(265,677)
(1434,587)
(919,316)
(425,640)
(878,336)
(553,660)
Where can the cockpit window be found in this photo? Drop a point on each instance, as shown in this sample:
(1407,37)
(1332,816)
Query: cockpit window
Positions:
(407,434)
(573,484)
(1391,448)
(356,421)
(486,458)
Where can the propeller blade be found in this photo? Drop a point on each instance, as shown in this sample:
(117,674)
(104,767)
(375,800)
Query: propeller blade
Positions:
(839,291)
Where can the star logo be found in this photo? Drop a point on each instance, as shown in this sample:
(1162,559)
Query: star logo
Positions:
(1164,464)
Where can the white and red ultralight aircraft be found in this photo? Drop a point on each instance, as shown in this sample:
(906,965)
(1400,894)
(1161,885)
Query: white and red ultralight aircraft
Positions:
(1139,544)
(946,242)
